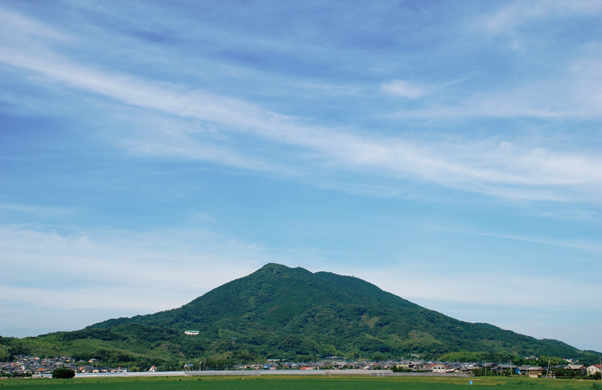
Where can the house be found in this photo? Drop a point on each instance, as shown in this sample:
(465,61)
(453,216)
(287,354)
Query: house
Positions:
(591,370)
(414,365)
(85,369)
(152,369)
(504,368)
(522,370)
(41,376)
(454,367)
(192,332)
(438,368)
(535,372)
(467,368)
(577,367)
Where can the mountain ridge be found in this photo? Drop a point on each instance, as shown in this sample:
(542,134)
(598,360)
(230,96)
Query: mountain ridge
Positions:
(292,314)
(333,314)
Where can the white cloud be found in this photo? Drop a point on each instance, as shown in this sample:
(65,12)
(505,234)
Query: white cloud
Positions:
(41,211)
(472,286)
(123,268)
(125,273)
(518,13)
(500,169)
(581,245)
(16,27)
(571,92)
(480,167)
(405,89)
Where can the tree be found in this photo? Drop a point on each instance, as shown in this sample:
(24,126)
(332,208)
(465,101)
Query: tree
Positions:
(63,372)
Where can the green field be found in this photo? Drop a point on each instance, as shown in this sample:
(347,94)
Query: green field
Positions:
(294,383)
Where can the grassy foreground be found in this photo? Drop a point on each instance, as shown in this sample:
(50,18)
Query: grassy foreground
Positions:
(293,383)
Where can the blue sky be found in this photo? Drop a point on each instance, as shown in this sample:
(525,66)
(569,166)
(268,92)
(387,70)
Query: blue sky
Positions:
(448,152)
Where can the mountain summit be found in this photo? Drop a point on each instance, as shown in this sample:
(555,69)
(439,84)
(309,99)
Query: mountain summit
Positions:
(283,312)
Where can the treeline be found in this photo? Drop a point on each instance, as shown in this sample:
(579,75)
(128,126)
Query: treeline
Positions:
(142,346)
(477,357)
(504,358)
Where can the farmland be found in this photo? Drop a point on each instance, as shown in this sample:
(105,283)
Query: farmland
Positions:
(293,383)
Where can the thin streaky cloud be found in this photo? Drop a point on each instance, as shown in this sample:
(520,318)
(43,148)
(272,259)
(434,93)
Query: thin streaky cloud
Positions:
(581,245)
(14,25)
(405,89)
(572,94)
(394,155)
(474,287)
(35,209)
(518,13)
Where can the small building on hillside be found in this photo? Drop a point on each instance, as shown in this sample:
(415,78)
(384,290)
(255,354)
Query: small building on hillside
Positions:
(191,332)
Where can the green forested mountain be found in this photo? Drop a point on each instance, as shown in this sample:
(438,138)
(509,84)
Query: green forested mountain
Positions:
(291,313)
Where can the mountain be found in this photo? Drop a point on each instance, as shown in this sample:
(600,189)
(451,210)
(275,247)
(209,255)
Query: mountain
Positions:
(291,313)
(284,311)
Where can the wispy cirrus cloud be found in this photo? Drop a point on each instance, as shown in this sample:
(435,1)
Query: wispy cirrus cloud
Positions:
(37,210)
(405,89)
(571,93)
(515,14)
(91,276)
(578,244)
(475,287)
(125,268)
(489,166)
(16,27)
(121,261)
(498,168)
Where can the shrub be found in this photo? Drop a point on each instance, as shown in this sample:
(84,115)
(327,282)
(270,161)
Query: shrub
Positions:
(63,372)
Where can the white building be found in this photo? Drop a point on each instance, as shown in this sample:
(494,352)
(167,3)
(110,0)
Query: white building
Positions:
(591,370)
(439,368)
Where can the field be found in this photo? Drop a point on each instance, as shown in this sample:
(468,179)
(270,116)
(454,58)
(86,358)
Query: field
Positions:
(294,383)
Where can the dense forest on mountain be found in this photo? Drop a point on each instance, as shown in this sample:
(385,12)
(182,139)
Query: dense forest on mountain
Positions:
(291,314)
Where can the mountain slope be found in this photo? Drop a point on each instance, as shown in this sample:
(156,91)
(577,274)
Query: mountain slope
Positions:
(286,312)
